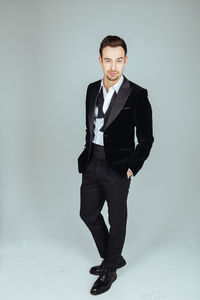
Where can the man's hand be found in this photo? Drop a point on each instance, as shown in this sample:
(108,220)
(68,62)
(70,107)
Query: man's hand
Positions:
(129,173)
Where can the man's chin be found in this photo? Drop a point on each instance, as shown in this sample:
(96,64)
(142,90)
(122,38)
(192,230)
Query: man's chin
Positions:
(112,78)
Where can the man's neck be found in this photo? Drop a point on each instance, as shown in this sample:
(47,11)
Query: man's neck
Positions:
(108,83)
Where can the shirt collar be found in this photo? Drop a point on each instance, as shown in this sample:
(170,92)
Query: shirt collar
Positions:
(116,86)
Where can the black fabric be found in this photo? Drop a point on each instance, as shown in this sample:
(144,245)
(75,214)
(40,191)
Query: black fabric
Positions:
(100,101)
(98,151)
(99,184)
(104,168)
(130,113)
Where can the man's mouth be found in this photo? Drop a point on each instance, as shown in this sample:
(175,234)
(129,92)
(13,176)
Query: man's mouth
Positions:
(113,74)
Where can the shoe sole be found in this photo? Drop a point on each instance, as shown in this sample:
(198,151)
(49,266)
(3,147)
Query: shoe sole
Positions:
(99,273)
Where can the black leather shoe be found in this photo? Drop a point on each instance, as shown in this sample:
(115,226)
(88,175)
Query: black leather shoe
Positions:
(98,270)
(104,282)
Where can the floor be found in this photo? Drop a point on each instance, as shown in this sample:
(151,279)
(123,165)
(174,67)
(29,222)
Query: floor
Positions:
(52,267)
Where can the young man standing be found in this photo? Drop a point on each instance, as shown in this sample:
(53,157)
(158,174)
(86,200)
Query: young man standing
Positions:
(116,109)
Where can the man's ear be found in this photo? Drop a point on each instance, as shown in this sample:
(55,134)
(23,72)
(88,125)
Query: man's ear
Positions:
(126,58)
(100,60)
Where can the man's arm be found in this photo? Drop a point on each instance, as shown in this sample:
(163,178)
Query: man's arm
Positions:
(144,132)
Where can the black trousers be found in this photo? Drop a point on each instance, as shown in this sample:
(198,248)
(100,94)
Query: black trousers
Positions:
(100,183)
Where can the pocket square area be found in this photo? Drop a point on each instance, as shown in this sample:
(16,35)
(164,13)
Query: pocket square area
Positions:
(126,107)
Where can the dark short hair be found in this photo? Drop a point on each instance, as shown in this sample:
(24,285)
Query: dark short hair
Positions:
(112,41)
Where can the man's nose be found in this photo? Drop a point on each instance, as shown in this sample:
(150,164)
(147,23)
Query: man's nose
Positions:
(113,66)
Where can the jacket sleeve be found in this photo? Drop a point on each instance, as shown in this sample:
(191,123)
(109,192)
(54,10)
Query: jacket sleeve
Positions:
(86,117)
(144,132)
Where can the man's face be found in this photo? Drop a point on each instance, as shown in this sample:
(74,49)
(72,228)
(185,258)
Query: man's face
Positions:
(113,62)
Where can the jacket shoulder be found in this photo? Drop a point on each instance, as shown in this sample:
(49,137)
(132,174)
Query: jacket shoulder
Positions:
(95,83)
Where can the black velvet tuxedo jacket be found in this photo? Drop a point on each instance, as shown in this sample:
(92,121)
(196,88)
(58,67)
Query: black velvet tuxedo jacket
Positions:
(130,113)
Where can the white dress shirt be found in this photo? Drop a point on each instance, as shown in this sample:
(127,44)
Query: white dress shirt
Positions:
(99,122)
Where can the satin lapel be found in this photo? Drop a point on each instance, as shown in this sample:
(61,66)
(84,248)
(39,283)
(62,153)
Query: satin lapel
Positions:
(92,104)
(120,99)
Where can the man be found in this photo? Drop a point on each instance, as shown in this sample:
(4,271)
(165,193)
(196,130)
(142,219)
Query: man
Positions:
(115,108)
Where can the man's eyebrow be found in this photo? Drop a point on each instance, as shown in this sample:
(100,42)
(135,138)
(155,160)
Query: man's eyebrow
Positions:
(110,58)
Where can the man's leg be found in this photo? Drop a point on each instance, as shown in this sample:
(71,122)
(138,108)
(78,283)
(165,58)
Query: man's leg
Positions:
(116,190)
(92,201)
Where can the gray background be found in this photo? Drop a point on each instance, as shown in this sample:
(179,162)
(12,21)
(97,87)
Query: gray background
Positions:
(49,54)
